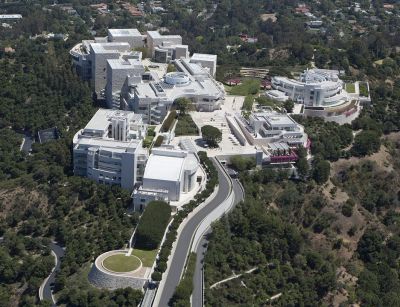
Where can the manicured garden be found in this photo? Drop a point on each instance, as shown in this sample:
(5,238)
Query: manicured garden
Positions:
(152,225)
(248,103)
(350,88)
(159,140)
(168,121)
(121,263)
(186,126)
(363,89)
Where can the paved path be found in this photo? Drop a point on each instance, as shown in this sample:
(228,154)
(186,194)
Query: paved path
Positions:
(198,280)
(234,276)
(183,244)
(45,291)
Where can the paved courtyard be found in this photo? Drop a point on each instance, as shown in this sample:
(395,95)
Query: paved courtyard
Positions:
(229,144)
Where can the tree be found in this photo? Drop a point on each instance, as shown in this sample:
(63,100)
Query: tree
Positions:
(242,163)
(171,68)
(321,170)
(302,167)
(288,105)
(211,135)
(182,105)
(366,143)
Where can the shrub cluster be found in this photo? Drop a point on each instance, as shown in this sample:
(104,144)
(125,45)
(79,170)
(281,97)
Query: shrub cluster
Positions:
(152,225)
(184,289)
(167,124)
(248,103)
(158,141)
(186,126)
(212,181)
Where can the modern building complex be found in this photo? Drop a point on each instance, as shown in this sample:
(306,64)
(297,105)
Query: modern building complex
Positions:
(118,74)
(157,41)
(208,61)
(169,174)
(277,134)
(130,36)
(154,96)
(109,149)
(321,91)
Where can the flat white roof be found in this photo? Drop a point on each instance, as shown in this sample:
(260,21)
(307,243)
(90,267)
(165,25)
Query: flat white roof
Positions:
(274,118)
(167,168)
(204,57)
(109,47)
(156,34)
(124,32)
(99,121)
(125,64)
(117,146)
(200,84)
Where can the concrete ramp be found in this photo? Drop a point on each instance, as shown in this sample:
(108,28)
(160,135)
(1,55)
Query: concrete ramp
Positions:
(236,130)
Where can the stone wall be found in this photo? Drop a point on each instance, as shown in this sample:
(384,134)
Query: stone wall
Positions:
(105,280)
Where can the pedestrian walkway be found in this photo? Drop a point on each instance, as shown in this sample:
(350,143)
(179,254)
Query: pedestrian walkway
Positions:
(234,276)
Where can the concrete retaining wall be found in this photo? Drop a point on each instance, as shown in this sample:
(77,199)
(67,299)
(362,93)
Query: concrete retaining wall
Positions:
(104,280)
(101,278)
(236,130)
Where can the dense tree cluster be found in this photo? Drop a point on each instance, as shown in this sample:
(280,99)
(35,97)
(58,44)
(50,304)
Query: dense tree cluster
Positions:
(152,225)
(328,139)
(23,260)
(378,283)
(39,197)
(375,189)
(253,236)
(241,163)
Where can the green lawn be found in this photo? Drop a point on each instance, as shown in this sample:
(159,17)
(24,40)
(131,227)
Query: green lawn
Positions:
(121,263)
(248,87)
(363,89)
(147,141)
(350,88)
(147,257)
(248,103)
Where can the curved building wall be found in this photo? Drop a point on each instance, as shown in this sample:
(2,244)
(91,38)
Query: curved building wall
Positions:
(343,118)
(323,93)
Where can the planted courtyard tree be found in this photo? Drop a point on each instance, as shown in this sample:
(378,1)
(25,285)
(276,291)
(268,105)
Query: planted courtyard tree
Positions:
(211,135)
(182,105)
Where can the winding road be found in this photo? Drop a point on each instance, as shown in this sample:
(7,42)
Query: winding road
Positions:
(45,291)
(198,279)
(184,242)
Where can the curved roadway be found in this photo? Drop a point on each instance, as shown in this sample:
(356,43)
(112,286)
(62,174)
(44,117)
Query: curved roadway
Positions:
(185,238)
(198,279)
(45,291)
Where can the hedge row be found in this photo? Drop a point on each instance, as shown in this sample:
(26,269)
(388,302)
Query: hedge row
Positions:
(152,225)
(184,290)
(159,140)
(165,252)
(167,124)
